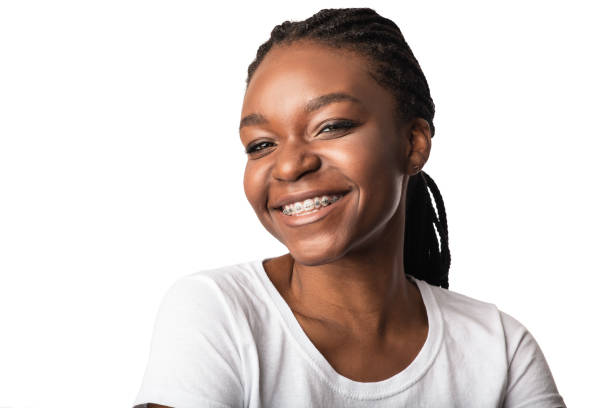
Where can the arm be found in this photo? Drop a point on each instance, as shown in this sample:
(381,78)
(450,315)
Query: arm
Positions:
(194,361)
(530,381)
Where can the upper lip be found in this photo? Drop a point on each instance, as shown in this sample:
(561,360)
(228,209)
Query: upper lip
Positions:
(292,198)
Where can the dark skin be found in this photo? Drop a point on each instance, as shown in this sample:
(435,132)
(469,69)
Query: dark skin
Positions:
(343,277)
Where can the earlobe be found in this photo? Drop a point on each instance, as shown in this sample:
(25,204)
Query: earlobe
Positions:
(419,145)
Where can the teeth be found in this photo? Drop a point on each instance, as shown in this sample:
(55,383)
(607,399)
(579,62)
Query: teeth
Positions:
(309,205)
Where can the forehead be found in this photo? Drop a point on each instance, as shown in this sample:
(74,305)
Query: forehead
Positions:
(291,75)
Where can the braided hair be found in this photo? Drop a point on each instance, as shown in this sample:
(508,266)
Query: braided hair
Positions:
(394,67)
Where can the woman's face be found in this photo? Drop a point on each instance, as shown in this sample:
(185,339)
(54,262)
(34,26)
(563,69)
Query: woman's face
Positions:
(318,124)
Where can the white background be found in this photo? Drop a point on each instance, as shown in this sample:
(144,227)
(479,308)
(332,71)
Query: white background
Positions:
(121,170)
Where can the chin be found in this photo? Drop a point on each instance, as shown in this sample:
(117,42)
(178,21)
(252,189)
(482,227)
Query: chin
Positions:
(315,254)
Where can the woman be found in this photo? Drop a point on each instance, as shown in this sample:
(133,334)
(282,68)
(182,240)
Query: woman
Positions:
(337,122)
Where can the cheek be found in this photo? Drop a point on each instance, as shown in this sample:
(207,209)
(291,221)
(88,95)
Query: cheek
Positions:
(254,185)
(377,172)
(369,159)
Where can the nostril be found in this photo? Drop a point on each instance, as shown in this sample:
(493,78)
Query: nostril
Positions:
(291,167)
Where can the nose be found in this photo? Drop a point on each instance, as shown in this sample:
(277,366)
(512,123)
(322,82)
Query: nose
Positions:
(295,159)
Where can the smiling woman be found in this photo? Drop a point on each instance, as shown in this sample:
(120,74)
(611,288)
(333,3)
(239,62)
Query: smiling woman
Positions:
(337,123)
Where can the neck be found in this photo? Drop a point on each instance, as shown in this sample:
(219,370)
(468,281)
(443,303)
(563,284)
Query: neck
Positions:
(365,291)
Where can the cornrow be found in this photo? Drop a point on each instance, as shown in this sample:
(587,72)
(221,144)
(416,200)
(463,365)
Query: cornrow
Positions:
(394,67)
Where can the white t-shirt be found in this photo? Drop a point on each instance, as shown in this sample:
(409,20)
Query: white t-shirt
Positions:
(226,338)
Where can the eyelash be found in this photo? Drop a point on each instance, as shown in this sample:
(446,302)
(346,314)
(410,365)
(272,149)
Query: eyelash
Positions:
(339,125)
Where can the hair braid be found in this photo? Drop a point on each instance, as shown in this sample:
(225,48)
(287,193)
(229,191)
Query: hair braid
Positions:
(393,66)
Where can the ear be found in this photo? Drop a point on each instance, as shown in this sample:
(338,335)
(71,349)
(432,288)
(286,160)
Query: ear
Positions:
(418,145)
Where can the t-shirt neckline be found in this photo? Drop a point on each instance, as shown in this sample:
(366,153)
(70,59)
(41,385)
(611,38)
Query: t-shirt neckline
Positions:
(355,389)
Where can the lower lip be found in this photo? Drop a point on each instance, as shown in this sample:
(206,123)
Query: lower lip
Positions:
(322,212)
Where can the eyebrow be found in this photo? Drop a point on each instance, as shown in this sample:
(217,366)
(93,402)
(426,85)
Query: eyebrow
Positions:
(311,106)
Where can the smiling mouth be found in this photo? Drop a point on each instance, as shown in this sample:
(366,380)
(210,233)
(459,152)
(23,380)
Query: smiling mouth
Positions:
(310,205)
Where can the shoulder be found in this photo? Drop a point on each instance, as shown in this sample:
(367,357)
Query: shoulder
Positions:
(484,338)
(232,296)
(230,285)
(199,339)
(457,308)
(478,328)
(480,323)
(228,277)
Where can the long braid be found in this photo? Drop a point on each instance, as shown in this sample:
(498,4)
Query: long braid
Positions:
(435,260)
(394,67)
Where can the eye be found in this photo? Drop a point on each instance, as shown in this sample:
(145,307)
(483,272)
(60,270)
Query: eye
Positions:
(257,147)
(339,125)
